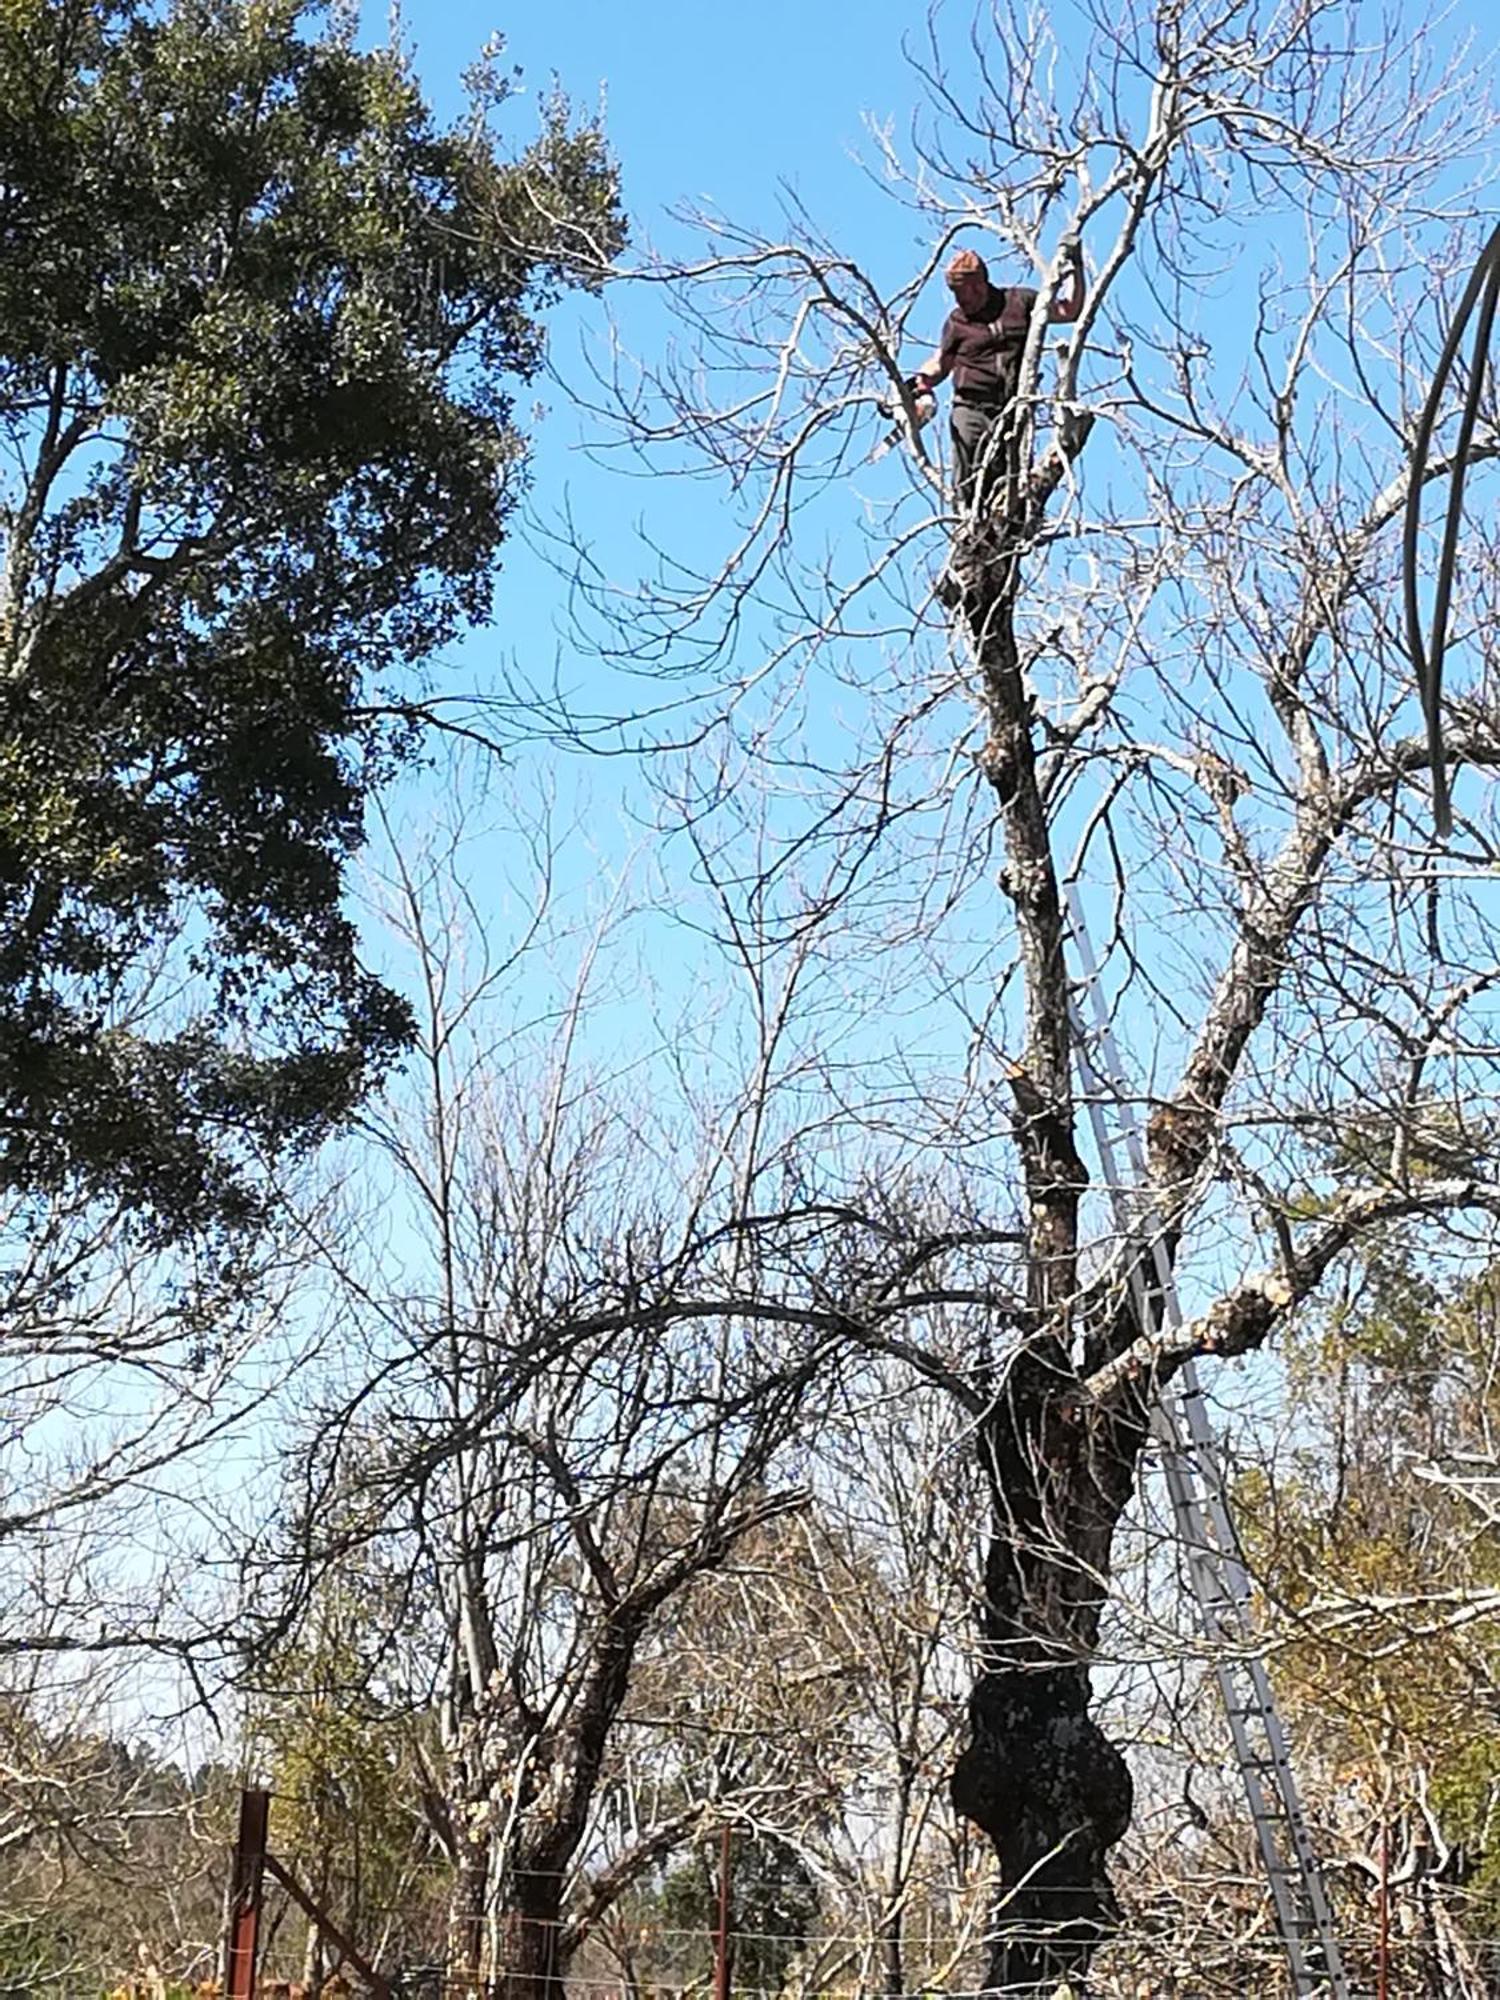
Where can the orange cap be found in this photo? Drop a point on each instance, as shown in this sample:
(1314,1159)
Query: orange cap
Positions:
(966,264)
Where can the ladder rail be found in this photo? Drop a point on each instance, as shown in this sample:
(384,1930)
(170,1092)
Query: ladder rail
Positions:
(1221,1588)
(1215,1559)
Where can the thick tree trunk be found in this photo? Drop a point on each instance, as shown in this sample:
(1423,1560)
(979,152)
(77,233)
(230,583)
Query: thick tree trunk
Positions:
(530,1928)
(1054,1795)
(523,1915)
(1038,1776)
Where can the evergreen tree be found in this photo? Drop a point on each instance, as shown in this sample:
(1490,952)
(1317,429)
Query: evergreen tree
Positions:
(260,321)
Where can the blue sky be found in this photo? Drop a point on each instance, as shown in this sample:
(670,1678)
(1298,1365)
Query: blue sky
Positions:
(732,107)
(702,101)
(725,107)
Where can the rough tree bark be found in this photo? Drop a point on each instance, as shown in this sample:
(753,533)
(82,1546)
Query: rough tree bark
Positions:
(1038,1775)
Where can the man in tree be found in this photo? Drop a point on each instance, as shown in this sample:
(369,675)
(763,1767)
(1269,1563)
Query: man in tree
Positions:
(981,346)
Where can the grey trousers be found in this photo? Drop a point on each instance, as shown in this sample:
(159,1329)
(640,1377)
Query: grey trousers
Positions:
(970,426)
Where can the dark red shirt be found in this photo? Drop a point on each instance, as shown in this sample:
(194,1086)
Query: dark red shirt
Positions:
(982,350)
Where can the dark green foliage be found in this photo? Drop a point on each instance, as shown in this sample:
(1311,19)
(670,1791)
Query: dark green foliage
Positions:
(773,1908)
(259,322)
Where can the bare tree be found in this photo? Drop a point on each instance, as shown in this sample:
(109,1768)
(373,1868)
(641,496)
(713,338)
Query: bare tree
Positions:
(895,1546)
(576,1379)
(111,1845)
(1174,673)
(811,1691)
(137,1385)
(1369,1518)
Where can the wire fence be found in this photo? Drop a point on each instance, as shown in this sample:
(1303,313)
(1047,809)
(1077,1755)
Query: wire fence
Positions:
(1192,1961)
(1206,1960)
(1129,1970)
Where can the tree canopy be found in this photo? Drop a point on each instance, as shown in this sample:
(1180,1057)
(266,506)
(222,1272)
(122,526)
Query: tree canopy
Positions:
(260,325)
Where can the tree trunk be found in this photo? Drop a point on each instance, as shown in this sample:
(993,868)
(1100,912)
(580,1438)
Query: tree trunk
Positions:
(1054,1795)
(530,1927)
(1038,1776)
(466,1914)
(893,1941)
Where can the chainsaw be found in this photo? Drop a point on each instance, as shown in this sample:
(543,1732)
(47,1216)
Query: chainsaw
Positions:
(924,406)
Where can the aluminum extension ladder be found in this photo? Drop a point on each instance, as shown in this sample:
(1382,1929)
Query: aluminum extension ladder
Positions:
(1215,1560)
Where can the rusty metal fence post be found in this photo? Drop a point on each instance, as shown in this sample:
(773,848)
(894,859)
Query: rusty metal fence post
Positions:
(247,1878)
(253,1861)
